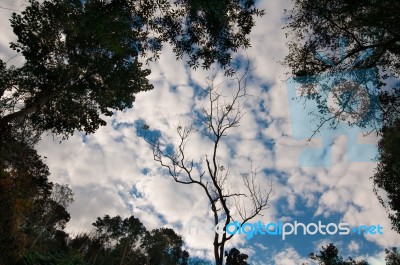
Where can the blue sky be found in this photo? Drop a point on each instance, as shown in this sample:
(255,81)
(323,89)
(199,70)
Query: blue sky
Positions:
(112,171)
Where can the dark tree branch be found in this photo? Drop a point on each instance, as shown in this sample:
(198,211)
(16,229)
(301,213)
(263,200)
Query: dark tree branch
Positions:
(221,116)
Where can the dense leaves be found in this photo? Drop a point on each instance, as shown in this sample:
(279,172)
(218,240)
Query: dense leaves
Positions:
(387,175)
(334,37)
(33,214)
(329,255)
(212,29)
(125,235)
(392,256)
(234,257)
(32,226)
(23,183)
(164,246)
(126,241)
(365,25)
(73,74)
(344,37)
(85,58)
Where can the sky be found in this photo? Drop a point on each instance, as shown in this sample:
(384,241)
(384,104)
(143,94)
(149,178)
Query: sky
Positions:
(112,171)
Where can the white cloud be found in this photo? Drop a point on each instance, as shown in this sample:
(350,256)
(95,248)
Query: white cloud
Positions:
(103,170)
(353,246)
(290,256)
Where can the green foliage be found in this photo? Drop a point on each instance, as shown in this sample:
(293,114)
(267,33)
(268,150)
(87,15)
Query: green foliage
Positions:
(36,258)
(80,62)
(126,241)
(329,255)
(48,218)
(392,256)
(84,58)
(210,30)
(164,246)
(387,175)
(366,24)
(91,248)
(234,257)
(364,27)
(23,186)
(32,208)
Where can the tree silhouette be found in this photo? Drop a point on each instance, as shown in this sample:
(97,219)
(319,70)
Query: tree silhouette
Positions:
(392,256)
(23,185)
(387,175)
(85,58)
(127,241)
(342,36)
(234,257)
(329,255)
(82,60)
(164,246)
(354,36)
(215,122)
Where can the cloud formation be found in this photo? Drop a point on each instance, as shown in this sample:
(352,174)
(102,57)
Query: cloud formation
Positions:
(113,172)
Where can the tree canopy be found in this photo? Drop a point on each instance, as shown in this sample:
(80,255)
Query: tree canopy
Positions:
(87,58)
(234,257)
(84,60)
(333,37)
(344,37)
(127,241)
(329,255)
(387,175)
(34,215)
(392,256)
(33,210)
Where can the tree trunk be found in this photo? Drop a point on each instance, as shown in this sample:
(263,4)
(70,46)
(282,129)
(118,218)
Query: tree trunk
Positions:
(219,251)
(124,254)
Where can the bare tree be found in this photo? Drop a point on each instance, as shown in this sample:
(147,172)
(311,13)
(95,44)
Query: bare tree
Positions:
(222,115)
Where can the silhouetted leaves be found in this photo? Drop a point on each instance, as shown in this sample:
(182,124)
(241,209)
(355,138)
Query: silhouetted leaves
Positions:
(126,241)
(329,255)
(234,257)
(392,256)
(343,36)
(85,58)
(387,175)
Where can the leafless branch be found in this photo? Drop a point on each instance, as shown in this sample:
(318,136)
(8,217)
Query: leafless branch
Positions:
(223,113)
